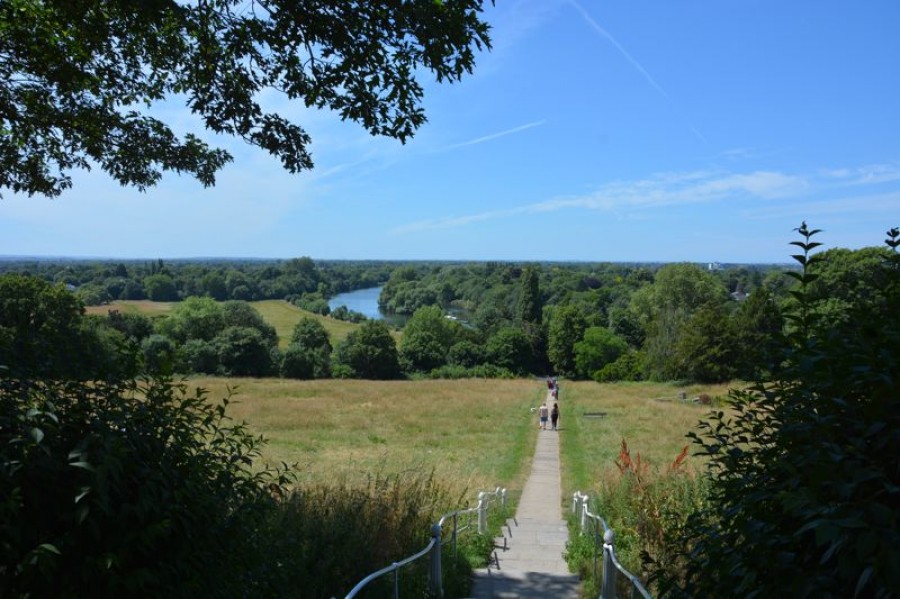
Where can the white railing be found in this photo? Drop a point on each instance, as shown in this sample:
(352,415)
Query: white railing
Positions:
(435,576)
(611,565)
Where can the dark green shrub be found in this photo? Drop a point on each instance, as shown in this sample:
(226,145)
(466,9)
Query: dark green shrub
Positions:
(299,362)
(421,352)
(243,351)
(627,367)
(199,357)
(370,352)
(804,478)
(137,490)
(309,354)
(159,354)
(466,354)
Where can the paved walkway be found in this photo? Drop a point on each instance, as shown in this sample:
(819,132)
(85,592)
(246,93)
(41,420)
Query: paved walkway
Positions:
(530,553)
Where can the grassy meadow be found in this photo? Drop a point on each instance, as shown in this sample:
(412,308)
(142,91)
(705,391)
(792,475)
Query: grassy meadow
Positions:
(476,433)
(650,417)
(145,307)
(280,314)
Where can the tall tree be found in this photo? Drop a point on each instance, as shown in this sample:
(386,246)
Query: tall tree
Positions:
(567,328)
(39,328)
(77,78)
(530,308)
(369,352)
(803,466)
(309,354)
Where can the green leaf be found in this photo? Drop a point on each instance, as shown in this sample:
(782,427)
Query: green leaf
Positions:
(36,434)
(48,548)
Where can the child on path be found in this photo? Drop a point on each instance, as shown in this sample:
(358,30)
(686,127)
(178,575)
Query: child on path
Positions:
(542,413)
(554,415)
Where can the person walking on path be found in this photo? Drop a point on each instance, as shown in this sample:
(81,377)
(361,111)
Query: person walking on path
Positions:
(528,560)
(542,415)
(554,415)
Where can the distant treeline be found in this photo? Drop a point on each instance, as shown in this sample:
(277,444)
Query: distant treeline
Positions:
(97,282)
(601,321)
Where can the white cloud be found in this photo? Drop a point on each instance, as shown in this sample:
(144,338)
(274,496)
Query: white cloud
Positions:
(870,205)
(871,174)
(628,199)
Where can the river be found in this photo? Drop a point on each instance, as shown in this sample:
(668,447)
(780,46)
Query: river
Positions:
(364,301)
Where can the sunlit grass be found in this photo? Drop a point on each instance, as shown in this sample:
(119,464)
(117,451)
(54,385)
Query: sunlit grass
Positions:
(477,434)
(651,417)
(145,307)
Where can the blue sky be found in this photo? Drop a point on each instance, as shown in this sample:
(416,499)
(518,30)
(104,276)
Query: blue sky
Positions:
(657,130)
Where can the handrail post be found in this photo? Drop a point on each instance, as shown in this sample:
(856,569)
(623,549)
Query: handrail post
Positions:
(455,534)
(435,580)
(608,589)
(503,498)
(584,511)
(482,513)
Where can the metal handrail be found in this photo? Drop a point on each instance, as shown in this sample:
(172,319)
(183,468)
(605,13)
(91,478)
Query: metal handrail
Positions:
(392,568)
(434,546)
(581,503)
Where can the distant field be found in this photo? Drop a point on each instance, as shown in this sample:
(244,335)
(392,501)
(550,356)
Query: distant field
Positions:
(478,433)
(139,306)
(280,314)
(284,317)
(475,434)
(651,417)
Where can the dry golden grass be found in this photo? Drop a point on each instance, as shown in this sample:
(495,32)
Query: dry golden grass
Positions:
(145,307)
(474,434)
(651,417)
(284,317)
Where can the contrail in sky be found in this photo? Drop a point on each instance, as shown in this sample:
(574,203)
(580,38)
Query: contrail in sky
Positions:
(493,136)
(619,47)
(631,59)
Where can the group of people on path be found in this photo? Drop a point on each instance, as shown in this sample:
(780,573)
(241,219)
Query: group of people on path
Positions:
(545,413)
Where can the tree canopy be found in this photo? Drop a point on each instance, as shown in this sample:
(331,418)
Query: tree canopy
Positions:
(80,79)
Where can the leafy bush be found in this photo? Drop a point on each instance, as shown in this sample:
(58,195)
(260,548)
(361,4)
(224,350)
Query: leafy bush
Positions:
(482,371)
(421,352)
(159,354)
(627,367)
(510,348)
(645,505)
(199,357)
(243,351)
(370,352)
(138,490)
(598,347)
(299,362)
(804,480)
(311,302)
(348,315)
(40,332)
(466,354)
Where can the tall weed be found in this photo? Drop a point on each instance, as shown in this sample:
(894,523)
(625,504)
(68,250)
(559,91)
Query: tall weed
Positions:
(326,537)
(645,505)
